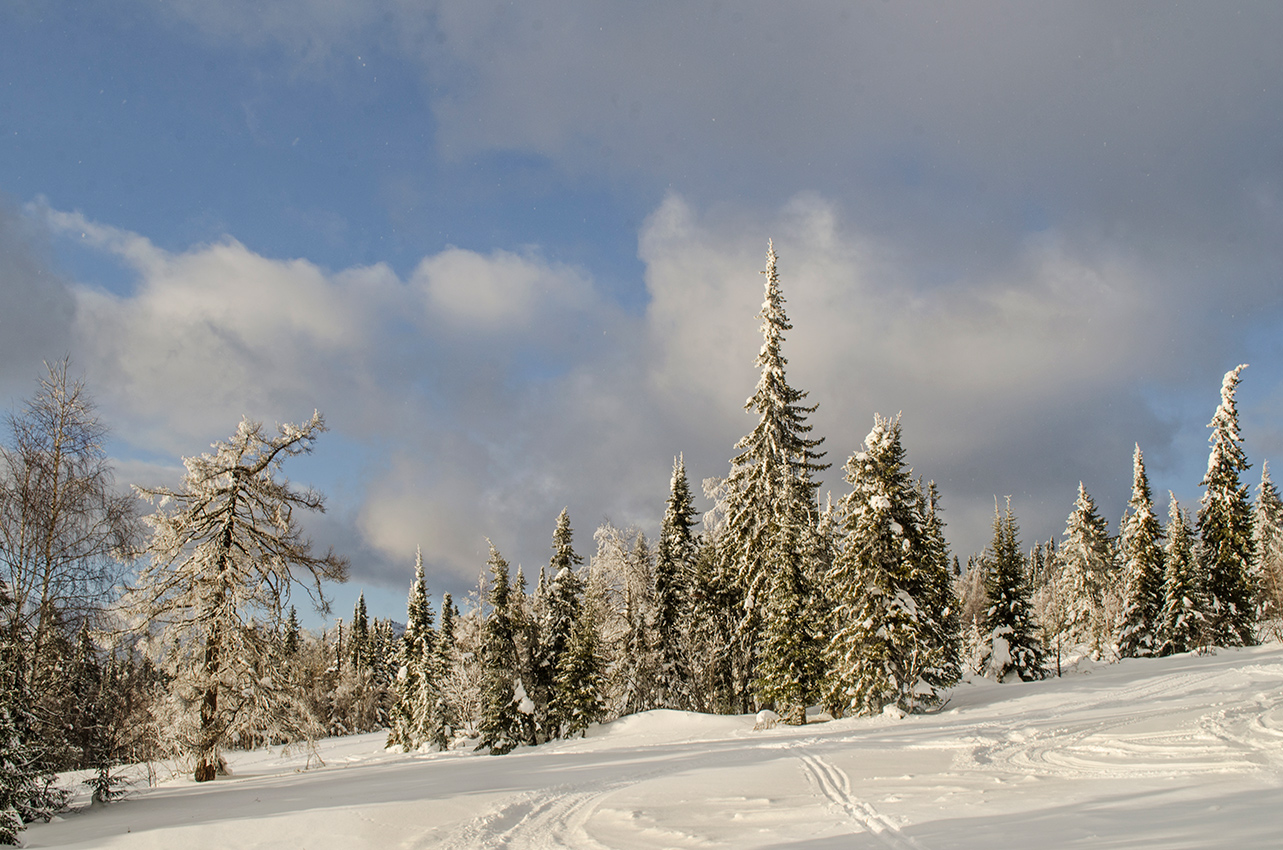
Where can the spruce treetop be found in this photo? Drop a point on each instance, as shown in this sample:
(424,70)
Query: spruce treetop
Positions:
(564,556)
(1226,459)
(1086,531)
(1225,527)
(418,612)
(779,439)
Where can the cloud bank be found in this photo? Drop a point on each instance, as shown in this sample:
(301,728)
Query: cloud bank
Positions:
(482,393)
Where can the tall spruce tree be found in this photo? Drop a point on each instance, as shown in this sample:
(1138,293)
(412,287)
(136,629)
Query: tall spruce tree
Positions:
(1141,550)
(1011,639)
(358,647)
(934,586)
(293,633)
(888,585)
(638,667)
(788,653)
(578,682)
(563,604)
(715,614)
(418,713)
(27,786)
(1225,528)
(675,557)
(1085,575)
(1267,539)
(1184,618)
(773,469)
(503,697)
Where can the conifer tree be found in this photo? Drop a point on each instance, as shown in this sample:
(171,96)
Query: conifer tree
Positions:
(27,787)
(1140,548)
(1085,575)
(1225,528)
(775,462)
(503,697)
(577,693)
(1267,539)
(934,586)
(564,605)
(449,614)
(447,659)
(418,713)
(714,633)
(562,602)
(639,648)
(888,585)
(1011,642)
(675,557)
(788,668)
(15,775)
(292,633)
(1184,619)
(358,648)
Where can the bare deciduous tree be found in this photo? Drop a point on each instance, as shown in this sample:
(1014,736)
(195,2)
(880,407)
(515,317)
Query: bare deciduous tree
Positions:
(64,528)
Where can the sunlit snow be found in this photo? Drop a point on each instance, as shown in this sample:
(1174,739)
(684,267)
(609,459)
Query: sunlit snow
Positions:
(1179,752)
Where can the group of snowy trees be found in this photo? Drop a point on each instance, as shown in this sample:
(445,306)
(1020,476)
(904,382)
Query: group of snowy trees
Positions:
(778,602)
(190,659)
(1213,580)
(855,606)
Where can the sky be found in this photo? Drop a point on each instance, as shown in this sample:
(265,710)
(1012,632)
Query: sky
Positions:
(511,251)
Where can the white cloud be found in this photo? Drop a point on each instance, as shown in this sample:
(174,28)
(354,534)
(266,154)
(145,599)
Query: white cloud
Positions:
(488,391)
(36,305)
(501,290)
(216,332)
(1014,382)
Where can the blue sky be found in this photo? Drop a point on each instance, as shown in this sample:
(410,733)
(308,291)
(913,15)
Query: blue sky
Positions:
(511,251)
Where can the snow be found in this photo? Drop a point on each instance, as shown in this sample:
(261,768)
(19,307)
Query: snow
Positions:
(1177,752)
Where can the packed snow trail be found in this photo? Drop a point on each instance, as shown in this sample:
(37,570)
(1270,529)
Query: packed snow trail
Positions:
(1181,752)
(835,785)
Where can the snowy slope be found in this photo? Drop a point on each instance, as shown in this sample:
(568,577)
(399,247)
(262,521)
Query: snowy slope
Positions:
(1174,753)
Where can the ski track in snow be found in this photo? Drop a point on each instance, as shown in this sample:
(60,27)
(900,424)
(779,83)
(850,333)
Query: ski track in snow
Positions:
(547,818)
(542,819)
(1242,740)
(835,785)
(1142,753)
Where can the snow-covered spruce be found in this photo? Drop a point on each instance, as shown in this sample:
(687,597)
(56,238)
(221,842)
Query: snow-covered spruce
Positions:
(1225,528)
(224,551)
(1141,551)
(27,788)
(675,556)
(561,607)
(418,715)
(1086,577)
(770,479)
(504,700)
(894,639)
(1267,542)
(1011,643)
(1184,622)
(789,661)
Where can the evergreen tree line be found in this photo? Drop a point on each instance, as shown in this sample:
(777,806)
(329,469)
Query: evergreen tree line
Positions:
(1193,583)
(770,600)
(857,606)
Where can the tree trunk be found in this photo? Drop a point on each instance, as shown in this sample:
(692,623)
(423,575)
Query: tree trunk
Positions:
(207,759)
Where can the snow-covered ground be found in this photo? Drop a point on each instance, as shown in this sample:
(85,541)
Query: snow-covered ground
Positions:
(1181,752)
